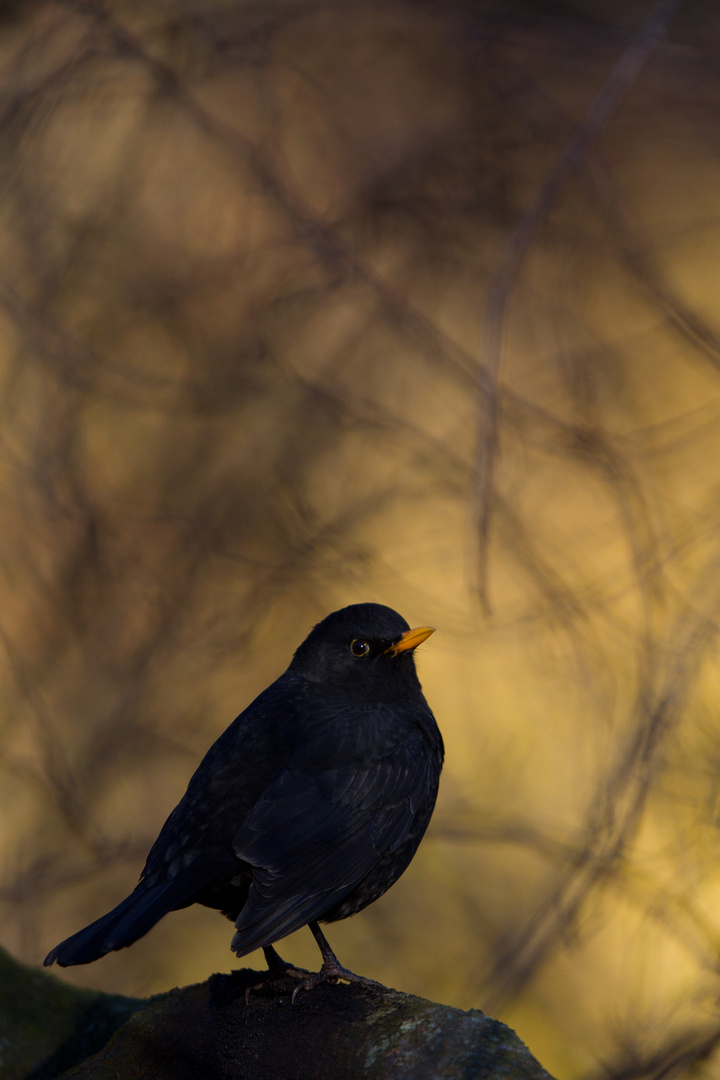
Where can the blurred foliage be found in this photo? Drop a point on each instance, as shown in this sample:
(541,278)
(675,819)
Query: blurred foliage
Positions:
(247,251)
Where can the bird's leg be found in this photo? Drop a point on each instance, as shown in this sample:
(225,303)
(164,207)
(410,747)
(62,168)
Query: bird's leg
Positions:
(331,969)
(277,969)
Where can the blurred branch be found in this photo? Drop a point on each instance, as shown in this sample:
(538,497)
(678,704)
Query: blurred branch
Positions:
(674,1056)
(614,817)
(515,251)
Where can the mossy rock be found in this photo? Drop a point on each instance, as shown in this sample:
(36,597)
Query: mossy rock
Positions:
(46,1026)
(208,1031)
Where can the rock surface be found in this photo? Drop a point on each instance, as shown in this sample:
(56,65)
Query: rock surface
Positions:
(47,1026)
(331,1033)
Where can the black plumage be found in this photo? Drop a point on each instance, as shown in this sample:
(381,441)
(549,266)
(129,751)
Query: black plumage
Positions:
(307,808)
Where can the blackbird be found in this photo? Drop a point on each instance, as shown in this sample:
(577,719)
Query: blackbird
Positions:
(306,809)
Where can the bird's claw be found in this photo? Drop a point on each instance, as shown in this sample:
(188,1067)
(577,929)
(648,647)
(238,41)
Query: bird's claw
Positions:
(332,972)
(273,976)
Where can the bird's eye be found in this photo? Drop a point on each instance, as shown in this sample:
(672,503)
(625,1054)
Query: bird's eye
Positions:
(359,647)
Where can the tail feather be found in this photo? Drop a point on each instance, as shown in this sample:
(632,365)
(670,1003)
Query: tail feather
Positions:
(132,918)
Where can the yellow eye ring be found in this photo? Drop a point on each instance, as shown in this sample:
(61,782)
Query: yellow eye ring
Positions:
(359,647)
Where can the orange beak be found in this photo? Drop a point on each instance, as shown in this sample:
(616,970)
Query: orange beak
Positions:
(410,640)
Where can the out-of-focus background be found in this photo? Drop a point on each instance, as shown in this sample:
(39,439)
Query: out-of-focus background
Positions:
(304,304)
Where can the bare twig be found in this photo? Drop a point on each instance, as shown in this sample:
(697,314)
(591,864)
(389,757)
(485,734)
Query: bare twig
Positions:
(515,251)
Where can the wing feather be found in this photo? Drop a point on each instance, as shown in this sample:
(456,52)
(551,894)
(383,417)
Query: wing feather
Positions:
(312,838)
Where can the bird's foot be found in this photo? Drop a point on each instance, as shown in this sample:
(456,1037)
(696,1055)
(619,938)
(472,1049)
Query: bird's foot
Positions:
(331,971)
(277,969)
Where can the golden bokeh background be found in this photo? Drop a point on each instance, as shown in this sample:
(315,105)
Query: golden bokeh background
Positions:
(247,254)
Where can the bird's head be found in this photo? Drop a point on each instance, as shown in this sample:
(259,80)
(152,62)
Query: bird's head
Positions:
(365,650)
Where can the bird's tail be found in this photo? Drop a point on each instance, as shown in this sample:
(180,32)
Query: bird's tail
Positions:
(120,927)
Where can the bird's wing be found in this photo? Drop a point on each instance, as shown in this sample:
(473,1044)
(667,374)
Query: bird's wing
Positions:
(313,836)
